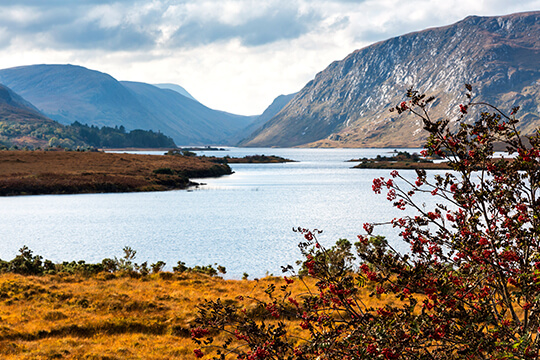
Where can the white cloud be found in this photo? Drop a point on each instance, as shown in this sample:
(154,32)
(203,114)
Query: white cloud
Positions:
(233,55)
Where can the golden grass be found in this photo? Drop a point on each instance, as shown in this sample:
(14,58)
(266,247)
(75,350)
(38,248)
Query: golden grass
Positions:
(114,317)
(71,317)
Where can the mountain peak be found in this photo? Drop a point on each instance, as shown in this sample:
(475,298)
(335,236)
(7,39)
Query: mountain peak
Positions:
(346,104)
(174,87)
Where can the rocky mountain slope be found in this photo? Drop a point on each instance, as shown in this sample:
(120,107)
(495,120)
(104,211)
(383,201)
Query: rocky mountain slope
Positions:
(69,93)
(347,103)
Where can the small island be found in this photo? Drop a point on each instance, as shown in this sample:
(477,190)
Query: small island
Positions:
(75,172)
(251,159)
(248,159)
(201,148)
(401,160)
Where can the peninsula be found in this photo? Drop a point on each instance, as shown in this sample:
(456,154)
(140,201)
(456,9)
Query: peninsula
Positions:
(73,172)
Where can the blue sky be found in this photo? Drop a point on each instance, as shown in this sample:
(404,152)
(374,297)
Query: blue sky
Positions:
(232,55)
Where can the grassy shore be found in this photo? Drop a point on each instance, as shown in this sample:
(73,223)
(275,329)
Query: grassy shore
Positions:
(250,159)
(70,172)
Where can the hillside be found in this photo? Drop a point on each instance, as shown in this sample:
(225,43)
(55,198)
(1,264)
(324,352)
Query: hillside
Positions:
(347,103)
(21,124)
(277,105)
(69,93)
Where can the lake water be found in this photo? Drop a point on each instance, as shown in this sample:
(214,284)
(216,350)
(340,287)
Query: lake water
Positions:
(242,221)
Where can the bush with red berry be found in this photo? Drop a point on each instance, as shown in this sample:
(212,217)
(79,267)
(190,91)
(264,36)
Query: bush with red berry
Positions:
(469,287)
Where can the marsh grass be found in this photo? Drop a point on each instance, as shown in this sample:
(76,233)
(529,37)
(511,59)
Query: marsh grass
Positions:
(72,172)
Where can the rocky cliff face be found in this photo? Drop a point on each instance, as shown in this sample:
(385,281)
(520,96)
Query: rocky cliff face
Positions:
(347,103)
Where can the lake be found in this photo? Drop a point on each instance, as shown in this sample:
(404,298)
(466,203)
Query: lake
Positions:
(242,221)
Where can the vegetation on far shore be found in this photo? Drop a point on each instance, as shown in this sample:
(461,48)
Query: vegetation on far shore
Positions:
(200,148)
(248,159)
(19,134)
(118,137)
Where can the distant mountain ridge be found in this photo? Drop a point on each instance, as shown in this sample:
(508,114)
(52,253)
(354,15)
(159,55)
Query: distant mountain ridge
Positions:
(277,105)
(179,89)
(69,93)
(347,103)
(185,119)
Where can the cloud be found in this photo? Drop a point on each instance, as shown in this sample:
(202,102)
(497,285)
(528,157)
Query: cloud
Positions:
(107,27)
(278,24)
(90,35)
(120,25)
(127,25)
(233,55)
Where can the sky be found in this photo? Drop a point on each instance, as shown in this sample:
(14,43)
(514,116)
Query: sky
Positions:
(231,55)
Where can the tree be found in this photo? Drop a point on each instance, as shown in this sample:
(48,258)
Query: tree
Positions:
(468,289)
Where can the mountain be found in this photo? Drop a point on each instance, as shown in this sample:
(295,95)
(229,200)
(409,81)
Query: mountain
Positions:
(277,105)
(176,88)
(347,103)
(69,93)
(187,120)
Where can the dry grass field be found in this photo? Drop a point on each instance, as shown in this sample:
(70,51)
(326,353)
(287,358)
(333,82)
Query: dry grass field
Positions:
(114,317)
(69,172)
(108,316)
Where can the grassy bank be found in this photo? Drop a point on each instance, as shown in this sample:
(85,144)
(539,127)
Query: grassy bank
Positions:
(107,316)
(250,159)
(400,165)
(71,172)
(117,316)
(118,309)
